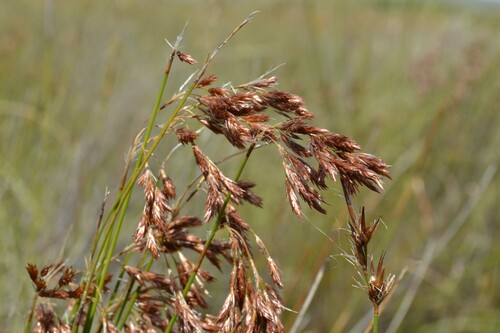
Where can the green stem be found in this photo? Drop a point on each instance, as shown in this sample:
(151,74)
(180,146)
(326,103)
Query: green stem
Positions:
(123,204)
(32,313)
(211,236)
(375,319)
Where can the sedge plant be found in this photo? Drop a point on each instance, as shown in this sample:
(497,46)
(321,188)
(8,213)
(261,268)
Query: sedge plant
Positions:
(140,298)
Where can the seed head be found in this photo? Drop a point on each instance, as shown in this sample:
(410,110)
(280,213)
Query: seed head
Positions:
(206,81)
(184,57)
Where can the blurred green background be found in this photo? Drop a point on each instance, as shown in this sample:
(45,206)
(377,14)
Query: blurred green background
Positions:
(415,82)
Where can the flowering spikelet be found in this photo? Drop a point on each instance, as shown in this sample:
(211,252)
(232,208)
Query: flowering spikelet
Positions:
(219,186)
(65,287)
(225,114)
(230,313)
(153,220)
(283,101)
(177,238)
(361,235)
(186,136)
(295,184)
(168,186)
(379,286)
(263,308)
(149,278)
(206,81)
(184,57)
(265,82)
(189,321)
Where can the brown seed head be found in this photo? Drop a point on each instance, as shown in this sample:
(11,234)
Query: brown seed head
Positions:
(67,277)
(265,82)
(206,81)
(168,185)
(186,136)
(184,57)
(218,91)
(283,101)
(379,286)
(32,271)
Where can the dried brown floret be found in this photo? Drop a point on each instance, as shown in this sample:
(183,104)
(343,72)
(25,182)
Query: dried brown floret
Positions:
(265,82)
(168,185)
(218,91)
(185,135)
(189,320)
(144,278)
(152,244)
(177,237)
(66,277)
(306,192)
(248,195)
(379,286)
(152,224)
(295,147)
(298,126)
(360,233)
(32,271)
(206,81)
(340,142)
(326,159)
(147,180)
(234,221)
(255,118)
(218,186)
(283,101)
(184,57)
(45,270)
(293,199)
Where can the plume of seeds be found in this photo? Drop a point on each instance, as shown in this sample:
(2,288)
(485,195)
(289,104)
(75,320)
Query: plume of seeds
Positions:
(153,220)
(240,115)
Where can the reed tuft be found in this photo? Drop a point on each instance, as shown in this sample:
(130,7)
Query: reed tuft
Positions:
(158,286)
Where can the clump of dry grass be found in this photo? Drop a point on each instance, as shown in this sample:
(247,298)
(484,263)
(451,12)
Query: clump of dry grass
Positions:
(139,299)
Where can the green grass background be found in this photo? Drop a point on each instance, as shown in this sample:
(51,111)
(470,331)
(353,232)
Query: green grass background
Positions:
(415,82)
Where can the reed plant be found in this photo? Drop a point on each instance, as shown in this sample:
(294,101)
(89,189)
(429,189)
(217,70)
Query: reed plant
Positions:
(159,286)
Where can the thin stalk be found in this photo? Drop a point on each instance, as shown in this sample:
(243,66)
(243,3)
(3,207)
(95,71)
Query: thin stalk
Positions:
(141,162)
(95,240)
(89,278)
(348,201)
(123,204)
(32,313)
(310,295)
(211,236)
(375,319)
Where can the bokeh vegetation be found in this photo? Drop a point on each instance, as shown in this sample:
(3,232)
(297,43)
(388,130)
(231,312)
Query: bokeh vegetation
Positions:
(414,82)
